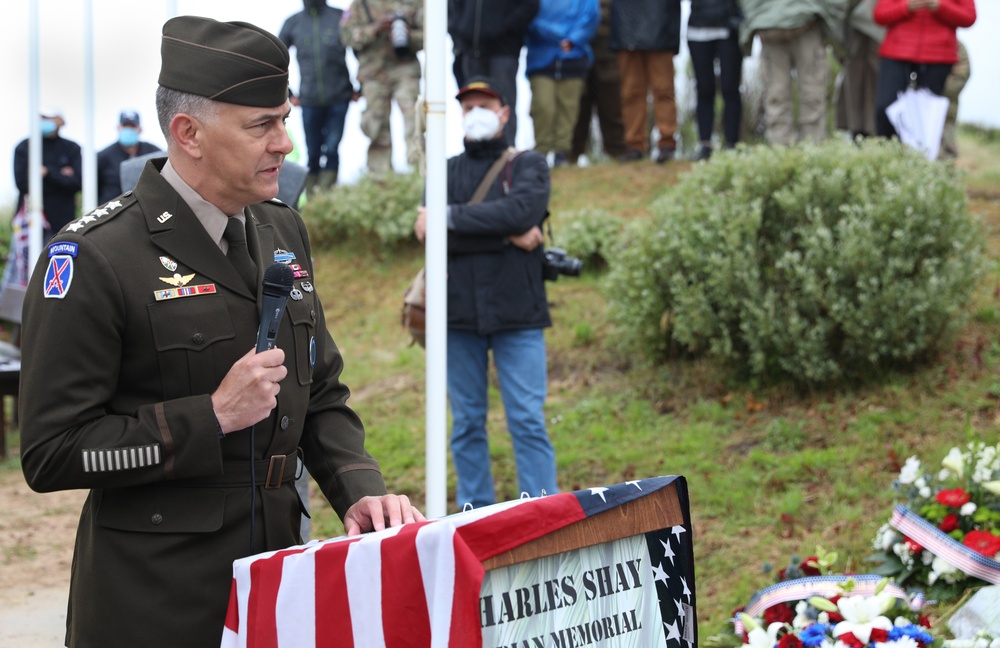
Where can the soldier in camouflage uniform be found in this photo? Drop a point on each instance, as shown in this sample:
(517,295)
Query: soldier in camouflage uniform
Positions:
(953,85)
(385,73)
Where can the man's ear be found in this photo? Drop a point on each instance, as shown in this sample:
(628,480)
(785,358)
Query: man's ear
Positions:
(504,115)
(185,131)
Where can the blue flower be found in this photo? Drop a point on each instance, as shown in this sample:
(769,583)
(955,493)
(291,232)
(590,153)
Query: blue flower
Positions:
(914,631)
(815,634)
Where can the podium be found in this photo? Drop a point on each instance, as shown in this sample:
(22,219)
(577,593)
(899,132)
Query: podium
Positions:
(611,566)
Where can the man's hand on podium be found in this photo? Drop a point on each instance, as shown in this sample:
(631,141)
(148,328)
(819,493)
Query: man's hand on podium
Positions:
(373,513)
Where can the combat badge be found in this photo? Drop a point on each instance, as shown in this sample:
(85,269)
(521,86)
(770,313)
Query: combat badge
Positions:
(168,263)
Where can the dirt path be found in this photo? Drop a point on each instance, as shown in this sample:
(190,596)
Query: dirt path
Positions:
(36,550)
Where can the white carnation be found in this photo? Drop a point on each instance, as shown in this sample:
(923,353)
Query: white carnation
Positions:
(910,471)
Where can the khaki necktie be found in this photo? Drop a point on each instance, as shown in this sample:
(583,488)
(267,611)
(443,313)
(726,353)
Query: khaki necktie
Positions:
(238,253)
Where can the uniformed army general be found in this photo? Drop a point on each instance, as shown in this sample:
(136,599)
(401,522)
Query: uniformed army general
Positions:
(139,378)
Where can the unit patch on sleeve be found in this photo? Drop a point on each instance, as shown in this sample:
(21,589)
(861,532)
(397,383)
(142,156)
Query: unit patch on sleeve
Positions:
(59,274)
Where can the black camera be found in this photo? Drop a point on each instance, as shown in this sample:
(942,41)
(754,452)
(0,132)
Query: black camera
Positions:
(557,262)
(399,35)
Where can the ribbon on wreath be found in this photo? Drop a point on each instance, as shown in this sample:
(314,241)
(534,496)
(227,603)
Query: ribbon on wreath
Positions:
(944,546)
(800,589)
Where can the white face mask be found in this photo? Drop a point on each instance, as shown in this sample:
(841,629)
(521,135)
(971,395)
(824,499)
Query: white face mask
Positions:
(480,124)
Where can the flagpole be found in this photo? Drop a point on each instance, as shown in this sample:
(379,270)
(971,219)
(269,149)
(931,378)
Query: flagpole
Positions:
(89,198)
(435,66)
(34,205)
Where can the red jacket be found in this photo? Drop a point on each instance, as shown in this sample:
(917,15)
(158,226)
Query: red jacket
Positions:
(923,36)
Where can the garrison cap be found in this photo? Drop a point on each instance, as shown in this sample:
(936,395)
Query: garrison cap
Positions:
(234,62)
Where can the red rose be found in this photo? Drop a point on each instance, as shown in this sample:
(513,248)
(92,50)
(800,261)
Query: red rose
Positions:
(779,613)
(879,635)
(983,542)
(808,567)
(924,621)
(790,641)
(949,523)
(912,546)
(954,497)
(848,639)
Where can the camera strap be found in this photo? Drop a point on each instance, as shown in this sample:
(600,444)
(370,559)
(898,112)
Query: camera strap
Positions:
(491,175)
(368,12)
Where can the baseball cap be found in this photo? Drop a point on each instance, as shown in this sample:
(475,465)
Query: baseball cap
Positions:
(482,85)
(129,118)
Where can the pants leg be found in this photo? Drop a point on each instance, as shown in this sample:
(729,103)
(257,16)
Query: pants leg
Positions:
(634,93)
(730,78)
(703,62)
(812,71)
(543,111)
(467,396)
(893,77)
(521,366)
(406,89)
(776,70)
(313,118)
(336,114)
(607,95)
(375,124)
(661,77)
(568,92)
(581,130)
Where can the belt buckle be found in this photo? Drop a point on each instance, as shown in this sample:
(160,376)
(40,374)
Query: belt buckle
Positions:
(275,469)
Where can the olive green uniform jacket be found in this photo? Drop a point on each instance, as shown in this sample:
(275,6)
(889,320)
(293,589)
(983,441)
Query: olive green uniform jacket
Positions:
(118,364)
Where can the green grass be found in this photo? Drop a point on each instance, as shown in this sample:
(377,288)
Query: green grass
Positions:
(772,472)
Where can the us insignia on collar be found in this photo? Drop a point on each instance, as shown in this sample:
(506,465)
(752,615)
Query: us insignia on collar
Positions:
(168,263)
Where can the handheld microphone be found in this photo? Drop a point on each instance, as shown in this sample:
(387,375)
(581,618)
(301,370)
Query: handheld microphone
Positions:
(278,280)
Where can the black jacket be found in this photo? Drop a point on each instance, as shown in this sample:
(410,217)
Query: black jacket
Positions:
(646,25)
(715,13)
(58,190)
(315,35)
(493,285)
(109,164)
(485,28)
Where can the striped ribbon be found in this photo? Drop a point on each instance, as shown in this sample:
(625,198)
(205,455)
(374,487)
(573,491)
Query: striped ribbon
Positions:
(800,589)
(941,544)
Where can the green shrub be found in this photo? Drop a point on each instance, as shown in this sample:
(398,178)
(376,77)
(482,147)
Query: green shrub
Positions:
(817,263)
(376,211)
(588,234)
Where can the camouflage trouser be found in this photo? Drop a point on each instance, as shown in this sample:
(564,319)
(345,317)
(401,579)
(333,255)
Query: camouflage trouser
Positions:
(953,86)
(400,81)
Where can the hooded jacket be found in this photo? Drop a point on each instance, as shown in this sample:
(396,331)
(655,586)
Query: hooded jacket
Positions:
(575,20)
(315,35)
(923,36)
(485,28)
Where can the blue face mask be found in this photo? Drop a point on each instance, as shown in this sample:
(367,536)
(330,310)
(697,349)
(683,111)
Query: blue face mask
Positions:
(48,127)
(128,137)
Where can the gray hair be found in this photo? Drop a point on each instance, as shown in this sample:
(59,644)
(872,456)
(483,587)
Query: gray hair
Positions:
(172,102)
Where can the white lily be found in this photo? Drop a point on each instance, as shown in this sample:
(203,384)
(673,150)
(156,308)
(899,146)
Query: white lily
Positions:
(760,638)
(954,462)
(992,486)
(910,471)
(862,614)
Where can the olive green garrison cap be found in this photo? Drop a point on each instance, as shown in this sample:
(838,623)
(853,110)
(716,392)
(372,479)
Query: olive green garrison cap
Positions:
(234,62)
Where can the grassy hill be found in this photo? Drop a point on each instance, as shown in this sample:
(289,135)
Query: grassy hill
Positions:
(772,472)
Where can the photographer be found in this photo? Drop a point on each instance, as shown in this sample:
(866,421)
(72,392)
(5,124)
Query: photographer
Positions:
(385,36)
(496,298)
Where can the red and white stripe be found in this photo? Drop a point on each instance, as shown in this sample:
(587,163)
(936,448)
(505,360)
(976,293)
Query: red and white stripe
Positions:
(941,544)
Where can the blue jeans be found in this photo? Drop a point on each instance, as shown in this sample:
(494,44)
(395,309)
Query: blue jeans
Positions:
(324,127)
(519,357)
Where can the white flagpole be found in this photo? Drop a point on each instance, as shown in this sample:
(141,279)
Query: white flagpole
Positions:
(89,198)
(435,69)
(35,205)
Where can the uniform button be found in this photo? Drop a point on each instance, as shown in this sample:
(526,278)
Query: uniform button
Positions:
(285,422)
(312,314)
(198,338)
(156,519)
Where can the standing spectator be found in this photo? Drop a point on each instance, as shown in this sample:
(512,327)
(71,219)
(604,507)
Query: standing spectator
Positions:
(385,36)
(859,72)
(558,59)
(109,160)
(325,88)
(488,36)
(157,403)
(792,35)
(61,165)
(713,35)
(602,95)
(920,45)
(647,35)
(496,299)
(953,86)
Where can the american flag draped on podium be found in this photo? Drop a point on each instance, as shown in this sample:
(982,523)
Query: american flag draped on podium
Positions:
(419,584)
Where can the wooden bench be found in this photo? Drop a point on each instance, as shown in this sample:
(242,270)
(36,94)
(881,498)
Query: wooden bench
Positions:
(11,301)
